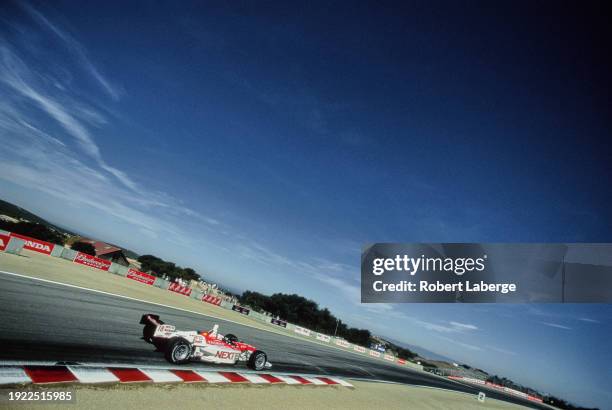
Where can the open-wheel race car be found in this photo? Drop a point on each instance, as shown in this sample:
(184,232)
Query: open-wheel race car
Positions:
(209,346)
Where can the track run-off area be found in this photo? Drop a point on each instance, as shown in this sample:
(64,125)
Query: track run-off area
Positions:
(45,321)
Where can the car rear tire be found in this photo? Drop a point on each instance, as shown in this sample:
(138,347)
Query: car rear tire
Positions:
(258,360)
(178,351)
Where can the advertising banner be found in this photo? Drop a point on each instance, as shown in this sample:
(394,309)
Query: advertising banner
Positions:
(374,353)
(141,277)
(359,349)
(92,261)
(323,338)
(183,290)
(342,343)
(211,299)
(401,361)
(4,239)
(302,331)
(35,245)
(389,358)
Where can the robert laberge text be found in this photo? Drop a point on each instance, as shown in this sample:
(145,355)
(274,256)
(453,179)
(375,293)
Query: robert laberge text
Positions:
(437,286)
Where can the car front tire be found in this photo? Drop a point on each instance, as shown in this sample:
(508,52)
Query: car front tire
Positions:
(258,360)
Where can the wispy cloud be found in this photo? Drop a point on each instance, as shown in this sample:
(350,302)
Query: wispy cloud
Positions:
(445,327)
(556,325)
(57,153)
(16,74)
(588,320)
(501,350)
(455,342)
(466,326)
(75,47)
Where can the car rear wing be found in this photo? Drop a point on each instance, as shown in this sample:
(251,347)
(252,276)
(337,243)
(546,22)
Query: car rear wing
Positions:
(151,319)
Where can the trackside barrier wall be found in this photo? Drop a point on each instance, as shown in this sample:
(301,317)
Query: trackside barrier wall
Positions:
(226,305)
(196,294)
(15,246)
(118,269)
(57,251)
(260,317)
(68,254)
(161,283)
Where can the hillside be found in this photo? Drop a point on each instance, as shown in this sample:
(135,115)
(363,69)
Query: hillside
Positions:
(6,208)
(14,211)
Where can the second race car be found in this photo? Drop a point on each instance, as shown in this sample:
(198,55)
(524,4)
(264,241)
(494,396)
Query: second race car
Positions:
(207,346)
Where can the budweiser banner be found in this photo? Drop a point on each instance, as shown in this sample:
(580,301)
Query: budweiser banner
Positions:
(141,277)
(183,290)
(401,361)
(35,245)
(92,261)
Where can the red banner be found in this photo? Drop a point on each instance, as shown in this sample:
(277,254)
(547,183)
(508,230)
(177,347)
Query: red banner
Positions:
(211,299)
(401,361)
(141,277)
(92,261)
(35,245)
(4,240)
(175,287)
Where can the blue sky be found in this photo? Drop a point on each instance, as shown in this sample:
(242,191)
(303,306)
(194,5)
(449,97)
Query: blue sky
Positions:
(264,146)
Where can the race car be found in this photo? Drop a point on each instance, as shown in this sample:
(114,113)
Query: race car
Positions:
(180,347)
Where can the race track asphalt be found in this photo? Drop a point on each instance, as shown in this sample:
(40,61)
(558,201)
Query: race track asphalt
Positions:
(50,322)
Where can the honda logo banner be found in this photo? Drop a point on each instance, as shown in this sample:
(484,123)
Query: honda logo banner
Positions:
(35,245)
(4,239)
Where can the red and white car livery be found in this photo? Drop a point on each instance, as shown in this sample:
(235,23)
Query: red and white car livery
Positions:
(207,346)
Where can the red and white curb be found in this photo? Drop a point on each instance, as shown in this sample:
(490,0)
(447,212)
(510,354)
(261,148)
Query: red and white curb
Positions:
(92,375)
